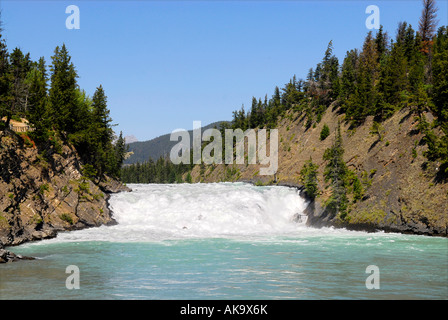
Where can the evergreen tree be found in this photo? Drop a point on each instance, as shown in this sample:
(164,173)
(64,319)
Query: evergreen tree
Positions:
(20,65)
(348,80)
(120,149)
(427,24)
(440,79)
(366,93)
(329,76)
(324,133)
(62,94)
(381,42)
(308,177)
(253,117)
(38,101)
(336,171)
(5,80)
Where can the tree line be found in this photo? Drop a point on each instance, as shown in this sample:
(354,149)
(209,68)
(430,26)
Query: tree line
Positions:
(385,75)
(160,171)
(58,110)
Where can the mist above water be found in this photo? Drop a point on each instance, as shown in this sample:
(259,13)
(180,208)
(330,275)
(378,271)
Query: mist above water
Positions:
(153,212)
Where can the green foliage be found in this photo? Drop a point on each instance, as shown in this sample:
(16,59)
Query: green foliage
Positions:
(89,171)
(377,129)
(65,113)
(382,77)
(325,132)
(160,171)
(259,183)
(65,190)
(354,185)
(44,187)
(308,177)
(66,217)
(83,187)
(58,113)
(231,174)
(336,172)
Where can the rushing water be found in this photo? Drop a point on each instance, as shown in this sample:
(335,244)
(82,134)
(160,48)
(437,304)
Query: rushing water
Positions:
(224,241)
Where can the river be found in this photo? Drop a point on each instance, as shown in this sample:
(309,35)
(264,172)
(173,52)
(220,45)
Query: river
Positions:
(224,241)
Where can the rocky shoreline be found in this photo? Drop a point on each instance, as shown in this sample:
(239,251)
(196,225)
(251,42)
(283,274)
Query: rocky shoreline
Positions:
(319,217)
(113,186)
(43,193)
(402,190)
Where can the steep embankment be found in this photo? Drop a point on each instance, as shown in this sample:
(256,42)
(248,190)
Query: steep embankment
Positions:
(42,193)
(402,192)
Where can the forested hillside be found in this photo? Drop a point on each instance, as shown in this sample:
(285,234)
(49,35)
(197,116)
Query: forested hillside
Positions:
(142,151)
(58,110)
(366,137)
(56,171)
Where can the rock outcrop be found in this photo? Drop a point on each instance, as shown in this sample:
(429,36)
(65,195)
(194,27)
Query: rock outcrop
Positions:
(44,192)
(8,256)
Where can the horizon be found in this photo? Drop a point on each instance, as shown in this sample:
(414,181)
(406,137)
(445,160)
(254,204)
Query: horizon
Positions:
(167,64)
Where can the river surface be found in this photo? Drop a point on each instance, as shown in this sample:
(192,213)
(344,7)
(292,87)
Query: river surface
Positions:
(224,241)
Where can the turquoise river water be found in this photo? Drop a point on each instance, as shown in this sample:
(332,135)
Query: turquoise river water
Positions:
(224,241)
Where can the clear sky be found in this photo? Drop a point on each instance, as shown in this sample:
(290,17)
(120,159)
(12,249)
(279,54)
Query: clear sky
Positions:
(164,64)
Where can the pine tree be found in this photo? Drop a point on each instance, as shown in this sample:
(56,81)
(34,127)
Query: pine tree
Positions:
(427,24)
(325,132)
(329,77)
(20,66)
(308,177)
(348,79)
(62,94)
(438,147)
(38,100)
(364,99)
(5,80)
(120,152)
(381,42)
(253,115)
(440,79)
(336,171)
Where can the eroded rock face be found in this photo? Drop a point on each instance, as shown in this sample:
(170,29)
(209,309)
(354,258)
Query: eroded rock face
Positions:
(42,193)
(403,191)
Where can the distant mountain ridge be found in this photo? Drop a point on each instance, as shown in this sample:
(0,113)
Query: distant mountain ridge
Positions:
(160,146)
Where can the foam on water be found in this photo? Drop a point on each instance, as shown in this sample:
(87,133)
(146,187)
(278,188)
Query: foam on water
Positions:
(155,212)
(239,241)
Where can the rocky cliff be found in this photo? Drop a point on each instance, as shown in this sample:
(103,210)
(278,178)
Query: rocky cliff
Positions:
(403,191)
(43,192)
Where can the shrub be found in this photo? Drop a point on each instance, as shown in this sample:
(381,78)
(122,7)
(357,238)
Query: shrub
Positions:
(66,217)
(324,133)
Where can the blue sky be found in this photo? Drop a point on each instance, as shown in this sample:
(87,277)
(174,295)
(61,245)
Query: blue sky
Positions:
(164,64)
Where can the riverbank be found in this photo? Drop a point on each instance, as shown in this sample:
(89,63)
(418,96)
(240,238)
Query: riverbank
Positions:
(240,242)
(402,190)
(43,193)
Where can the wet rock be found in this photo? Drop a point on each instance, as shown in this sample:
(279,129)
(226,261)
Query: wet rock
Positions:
(8,256)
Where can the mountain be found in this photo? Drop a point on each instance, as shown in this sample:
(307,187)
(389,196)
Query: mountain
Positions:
(141,151)
(130,139)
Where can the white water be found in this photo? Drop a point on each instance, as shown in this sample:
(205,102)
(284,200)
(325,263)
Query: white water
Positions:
(231,241)
(161,212)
